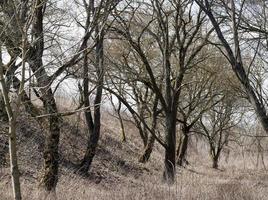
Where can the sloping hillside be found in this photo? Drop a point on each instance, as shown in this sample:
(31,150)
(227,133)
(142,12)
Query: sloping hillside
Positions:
(116,172)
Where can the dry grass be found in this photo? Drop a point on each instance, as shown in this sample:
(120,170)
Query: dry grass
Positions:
(189,186)
(116,174)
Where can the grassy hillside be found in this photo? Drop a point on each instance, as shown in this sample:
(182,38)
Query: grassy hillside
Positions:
(117,174)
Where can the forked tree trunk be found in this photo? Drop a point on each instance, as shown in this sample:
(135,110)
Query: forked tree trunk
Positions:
(51,156)
(94,136)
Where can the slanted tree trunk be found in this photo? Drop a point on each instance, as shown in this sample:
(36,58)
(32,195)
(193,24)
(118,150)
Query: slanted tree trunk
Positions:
(123,133)
(94,136)
(183,150)
(142,129)
(118,111)
(143,132)
(149,147)
(179,144)
(148,150)
(235,59)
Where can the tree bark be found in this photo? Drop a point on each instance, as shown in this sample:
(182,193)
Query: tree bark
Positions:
(3,151)
(149,147)
(215,161)
(142,132)
(148,150)
(15,174)
(94,137)
(51,155)
(235,59)
(183,150)
(215,155)
(180,144)
(123,133)
(170,151)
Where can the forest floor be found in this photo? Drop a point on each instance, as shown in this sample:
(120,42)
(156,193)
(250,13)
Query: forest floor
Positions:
(117,174)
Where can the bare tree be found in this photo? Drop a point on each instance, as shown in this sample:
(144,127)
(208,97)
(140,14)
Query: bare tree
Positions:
(103,10)
(12,114)
(217,124)
(234,55)
(176,52)
(198,96)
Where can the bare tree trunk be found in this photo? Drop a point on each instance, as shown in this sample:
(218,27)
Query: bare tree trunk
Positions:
(123,133)
(260,157)
(149,147)
(235,59)
(118,111)
(143,133)
(51,155)
(215,161)
(94,137)
(3,151)
(15,174)
(183,150)
(215,155)
(170,151)
(142,130)
(3,112)
(148,150)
